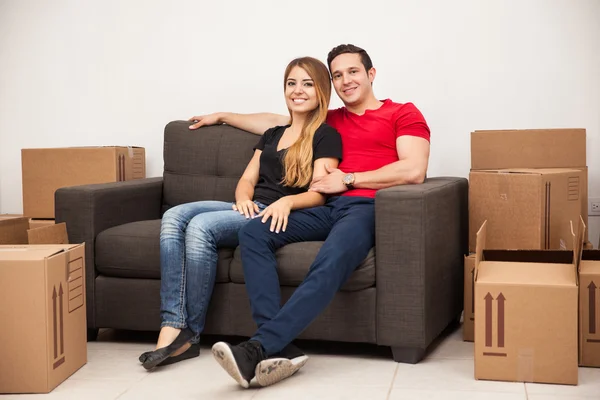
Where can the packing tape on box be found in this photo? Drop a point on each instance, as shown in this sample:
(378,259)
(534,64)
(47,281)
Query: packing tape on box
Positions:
(525,365)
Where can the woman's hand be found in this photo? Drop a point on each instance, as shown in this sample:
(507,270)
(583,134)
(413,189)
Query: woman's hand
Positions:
(247,208)
(203,120)
(278,212)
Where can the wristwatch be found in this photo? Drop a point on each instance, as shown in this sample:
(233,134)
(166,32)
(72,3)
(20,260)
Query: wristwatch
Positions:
(348,180)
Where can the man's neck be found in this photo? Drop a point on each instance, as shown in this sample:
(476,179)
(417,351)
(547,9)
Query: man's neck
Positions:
(369,104)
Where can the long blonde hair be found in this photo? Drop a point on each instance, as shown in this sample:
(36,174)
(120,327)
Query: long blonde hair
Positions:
(298,163)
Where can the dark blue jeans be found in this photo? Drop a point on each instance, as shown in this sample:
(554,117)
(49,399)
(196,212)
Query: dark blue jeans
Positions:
(346,224)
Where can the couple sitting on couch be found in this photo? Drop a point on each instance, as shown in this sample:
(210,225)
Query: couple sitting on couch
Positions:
(294,168)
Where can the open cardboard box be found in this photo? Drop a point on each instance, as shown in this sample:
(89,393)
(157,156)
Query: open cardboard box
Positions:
(526,307)
(17,229)
(589,309)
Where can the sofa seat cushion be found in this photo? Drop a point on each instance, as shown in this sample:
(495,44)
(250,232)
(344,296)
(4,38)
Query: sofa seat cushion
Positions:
(293,262)
(133,251)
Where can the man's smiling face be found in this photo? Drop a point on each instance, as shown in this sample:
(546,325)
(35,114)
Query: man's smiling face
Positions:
(351,81)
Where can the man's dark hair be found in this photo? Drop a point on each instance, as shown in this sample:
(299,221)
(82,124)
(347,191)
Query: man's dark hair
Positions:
(351,49)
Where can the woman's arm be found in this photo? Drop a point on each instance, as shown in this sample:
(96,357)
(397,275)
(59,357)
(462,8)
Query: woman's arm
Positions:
(280,210)
(244,192)
(313,199)
(255,123)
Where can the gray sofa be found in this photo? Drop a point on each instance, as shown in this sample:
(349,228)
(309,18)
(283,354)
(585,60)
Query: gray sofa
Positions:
(404,294)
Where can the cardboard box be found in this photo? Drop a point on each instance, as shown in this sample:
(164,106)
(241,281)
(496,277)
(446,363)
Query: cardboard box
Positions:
(51,234)
(43,312)
(589,309)
(469,305)
(533,148)
(40,223)
(525,208)
(528,148)
(46,170)
(13,229)
(526,306)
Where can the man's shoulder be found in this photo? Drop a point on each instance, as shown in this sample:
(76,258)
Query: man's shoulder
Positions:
(334,112)
(403,108)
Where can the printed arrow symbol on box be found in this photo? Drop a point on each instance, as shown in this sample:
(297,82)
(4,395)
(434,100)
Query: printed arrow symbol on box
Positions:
(501,300)
(61,325)
(592,289)
(488,320)
(54,319)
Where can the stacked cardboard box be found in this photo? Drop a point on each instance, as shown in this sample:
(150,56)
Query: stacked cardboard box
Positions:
(518,152)
(528,185)
(46,170)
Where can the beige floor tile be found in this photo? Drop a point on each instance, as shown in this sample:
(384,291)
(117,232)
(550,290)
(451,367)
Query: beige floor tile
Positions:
(197,378)
(448,374)
(193,389)
(404,394)
(346,370)
(559,397)
(77,389)
(112,365)
(589,386)
(452,347)
(294,390)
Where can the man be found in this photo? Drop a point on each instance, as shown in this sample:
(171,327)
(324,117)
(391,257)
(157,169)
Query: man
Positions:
(384,144)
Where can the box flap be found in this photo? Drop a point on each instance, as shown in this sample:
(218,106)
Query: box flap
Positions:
(479,246)
(578,245)
(523,273)
(13,229)
(589,267)
(52,234)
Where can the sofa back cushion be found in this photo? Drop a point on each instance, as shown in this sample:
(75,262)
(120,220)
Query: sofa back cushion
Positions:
(203,164)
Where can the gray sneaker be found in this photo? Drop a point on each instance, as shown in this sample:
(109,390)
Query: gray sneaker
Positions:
(280,366)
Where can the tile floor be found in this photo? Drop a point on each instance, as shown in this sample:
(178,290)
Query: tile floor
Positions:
(334,371)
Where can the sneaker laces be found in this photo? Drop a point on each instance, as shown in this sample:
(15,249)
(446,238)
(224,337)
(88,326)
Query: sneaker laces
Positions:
(253,350)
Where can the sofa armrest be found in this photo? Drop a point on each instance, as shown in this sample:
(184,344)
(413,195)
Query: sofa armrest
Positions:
(90,209)
(421,239)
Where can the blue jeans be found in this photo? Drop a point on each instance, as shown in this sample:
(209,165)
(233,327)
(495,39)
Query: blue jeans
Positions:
(189,237)
(346,224)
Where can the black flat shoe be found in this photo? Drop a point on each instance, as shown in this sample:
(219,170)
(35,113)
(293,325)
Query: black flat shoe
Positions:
(193,351)
(143,356)
(153,358)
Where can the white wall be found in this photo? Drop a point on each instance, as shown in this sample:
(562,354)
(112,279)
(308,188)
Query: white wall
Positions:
(113,72)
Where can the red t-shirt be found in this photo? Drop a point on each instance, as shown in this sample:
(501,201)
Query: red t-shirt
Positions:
(369,140)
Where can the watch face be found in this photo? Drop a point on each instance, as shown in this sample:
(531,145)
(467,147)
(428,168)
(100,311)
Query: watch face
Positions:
(348,179)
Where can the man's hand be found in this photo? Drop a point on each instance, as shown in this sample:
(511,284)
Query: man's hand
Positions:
(246,207)
(203,120)
(278,212)
(330,183)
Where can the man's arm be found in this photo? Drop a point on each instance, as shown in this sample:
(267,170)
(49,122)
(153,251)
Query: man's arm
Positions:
(411,168)
(255,123)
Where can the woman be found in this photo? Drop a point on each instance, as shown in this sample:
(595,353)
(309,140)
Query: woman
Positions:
(285,161)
